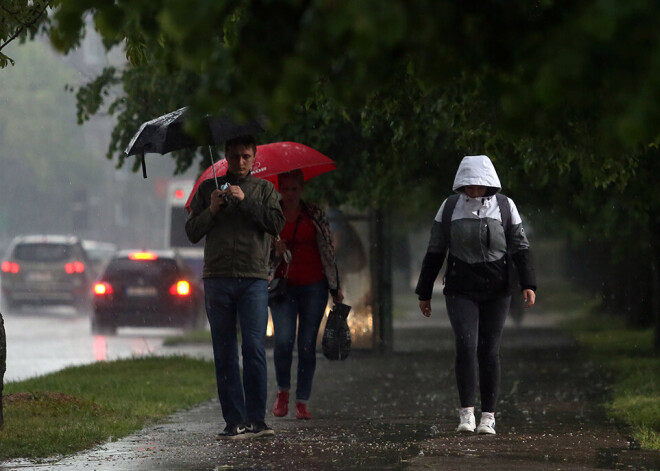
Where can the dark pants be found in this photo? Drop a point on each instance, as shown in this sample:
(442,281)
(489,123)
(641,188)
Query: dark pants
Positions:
(478,329)
(304,305)
(245,300)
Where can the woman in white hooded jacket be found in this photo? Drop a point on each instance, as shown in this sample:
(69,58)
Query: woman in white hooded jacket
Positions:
(482,233)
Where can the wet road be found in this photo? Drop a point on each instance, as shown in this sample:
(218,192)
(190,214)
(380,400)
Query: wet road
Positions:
(45,339)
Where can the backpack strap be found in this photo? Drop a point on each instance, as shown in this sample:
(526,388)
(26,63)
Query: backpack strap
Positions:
(447,212)
(505,212)
(450,204)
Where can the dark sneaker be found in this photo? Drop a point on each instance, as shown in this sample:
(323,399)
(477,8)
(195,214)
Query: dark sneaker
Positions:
(232,432)
(258,429)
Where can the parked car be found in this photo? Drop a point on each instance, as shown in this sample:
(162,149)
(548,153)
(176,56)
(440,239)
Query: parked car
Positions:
(98,253)
(45,270)
(147,288)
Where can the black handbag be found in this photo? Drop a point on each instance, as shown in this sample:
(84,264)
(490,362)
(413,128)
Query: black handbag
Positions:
(336,343)
(277,290)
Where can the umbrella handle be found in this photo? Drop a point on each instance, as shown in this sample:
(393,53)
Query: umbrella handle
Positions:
(215,177)
(144,167)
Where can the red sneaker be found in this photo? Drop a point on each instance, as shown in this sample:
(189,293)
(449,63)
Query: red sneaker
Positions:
(281,407)
(302,412)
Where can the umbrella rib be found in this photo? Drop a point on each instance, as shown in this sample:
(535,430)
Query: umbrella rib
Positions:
(215,177)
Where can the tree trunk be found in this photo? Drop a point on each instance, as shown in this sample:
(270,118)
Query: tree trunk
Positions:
(655,283)
(655,300)
(3,362)
(381,280)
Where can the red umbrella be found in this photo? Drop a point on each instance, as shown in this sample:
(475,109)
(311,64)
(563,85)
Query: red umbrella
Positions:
(273,159)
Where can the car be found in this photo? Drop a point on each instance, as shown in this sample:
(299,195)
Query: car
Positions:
(147,289)
(45,270)
(98,254)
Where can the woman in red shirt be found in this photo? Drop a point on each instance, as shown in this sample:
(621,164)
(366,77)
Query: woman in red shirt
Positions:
(311,273)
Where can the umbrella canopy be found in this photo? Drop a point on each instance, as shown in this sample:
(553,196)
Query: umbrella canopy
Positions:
(166,134)
(273,159)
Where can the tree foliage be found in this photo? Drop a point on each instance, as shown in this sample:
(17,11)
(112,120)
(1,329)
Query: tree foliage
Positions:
(562,95)
(547,88)
(20,19)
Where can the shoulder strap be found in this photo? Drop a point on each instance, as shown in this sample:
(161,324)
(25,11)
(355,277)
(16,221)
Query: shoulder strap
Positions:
(295,229)
(282,259)
(293,238)
(450,204)
(505,212)
(447,212)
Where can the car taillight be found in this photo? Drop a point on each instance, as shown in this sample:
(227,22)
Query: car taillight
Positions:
(74,267)
(10,267)
(180,288)
(142,256)
(102,289)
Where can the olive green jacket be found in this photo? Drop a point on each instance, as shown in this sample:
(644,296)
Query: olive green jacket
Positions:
(238,238)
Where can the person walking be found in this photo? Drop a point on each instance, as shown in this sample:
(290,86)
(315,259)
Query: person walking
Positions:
(238,223)
(311,272)
(482,232)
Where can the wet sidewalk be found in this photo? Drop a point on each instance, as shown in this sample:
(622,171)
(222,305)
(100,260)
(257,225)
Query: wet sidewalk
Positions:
(397,411)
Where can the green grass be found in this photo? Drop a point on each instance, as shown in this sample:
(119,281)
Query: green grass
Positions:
(191,337)
(78,407)
(559,295)
(629,355)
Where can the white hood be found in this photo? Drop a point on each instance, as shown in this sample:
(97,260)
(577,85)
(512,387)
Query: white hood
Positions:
(477,170)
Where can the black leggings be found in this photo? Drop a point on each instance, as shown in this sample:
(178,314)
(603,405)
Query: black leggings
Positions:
(478,329)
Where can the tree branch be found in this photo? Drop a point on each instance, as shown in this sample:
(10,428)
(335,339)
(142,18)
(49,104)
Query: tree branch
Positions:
(24,26)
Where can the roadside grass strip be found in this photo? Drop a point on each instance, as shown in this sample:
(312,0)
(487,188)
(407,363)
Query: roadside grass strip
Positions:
(191,337)
(629,356)
(78,407)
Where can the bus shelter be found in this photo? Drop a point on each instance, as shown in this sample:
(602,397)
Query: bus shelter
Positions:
(364,263)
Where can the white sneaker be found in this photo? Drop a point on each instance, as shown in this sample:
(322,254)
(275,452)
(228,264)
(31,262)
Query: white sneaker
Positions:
(467,423)
(486,425)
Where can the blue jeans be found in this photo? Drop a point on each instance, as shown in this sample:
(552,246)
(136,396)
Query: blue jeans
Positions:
(245,299)
(306,305)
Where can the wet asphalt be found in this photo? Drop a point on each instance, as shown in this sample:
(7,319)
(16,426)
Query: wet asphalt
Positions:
(397,411)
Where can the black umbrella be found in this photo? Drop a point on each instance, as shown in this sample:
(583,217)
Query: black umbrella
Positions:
(166,134)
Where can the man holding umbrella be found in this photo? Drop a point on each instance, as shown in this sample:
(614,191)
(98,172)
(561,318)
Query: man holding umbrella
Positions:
(238,214)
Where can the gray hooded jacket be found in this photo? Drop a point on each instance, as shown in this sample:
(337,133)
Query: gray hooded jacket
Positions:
(479,252)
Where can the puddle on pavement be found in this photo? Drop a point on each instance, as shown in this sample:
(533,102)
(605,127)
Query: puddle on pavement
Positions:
(627,458)
(608,458)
